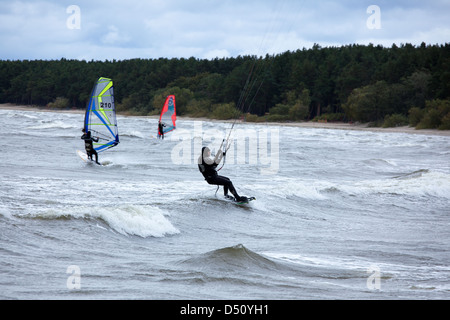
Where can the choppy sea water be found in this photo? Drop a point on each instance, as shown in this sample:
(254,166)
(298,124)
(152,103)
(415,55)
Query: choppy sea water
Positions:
(338,214)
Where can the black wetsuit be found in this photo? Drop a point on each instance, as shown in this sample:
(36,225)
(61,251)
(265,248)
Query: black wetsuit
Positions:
(88,145)
(212,177)
(161,130)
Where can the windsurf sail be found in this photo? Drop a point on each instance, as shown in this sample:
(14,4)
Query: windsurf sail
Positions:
(168,115)
(100,116)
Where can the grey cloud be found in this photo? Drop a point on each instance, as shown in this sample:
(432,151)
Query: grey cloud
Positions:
(204,28)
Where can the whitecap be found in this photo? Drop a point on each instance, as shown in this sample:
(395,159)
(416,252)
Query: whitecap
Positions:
(417,183)
(52,125)
(142,221)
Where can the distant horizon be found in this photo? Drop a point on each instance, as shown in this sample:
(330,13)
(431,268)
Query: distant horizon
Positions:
(242,56)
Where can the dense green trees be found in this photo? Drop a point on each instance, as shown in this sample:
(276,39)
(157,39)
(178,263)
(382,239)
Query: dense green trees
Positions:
(351,83)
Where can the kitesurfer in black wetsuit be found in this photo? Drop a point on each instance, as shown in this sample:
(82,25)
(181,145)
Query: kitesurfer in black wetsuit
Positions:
(207,167)
(88,145)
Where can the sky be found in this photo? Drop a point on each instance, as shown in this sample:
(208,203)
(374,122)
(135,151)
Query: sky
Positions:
(208,29)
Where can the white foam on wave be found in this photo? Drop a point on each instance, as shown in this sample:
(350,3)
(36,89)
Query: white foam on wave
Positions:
(143,221)
(5,212)
(387,269)
(133,134)
(55,124)
(140,221)
(294,187)
(18,114)
(310,261)
(381,163)
(419,183)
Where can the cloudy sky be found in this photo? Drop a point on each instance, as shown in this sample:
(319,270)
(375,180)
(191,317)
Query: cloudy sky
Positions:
(118,29)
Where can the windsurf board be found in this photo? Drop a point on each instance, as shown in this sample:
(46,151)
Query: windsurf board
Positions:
(85,158)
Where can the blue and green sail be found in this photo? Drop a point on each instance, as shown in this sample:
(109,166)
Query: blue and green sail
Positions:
(100,117)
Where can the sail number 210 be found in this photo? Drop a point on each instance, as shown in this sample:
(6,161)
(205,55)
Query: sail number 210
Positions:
(105,105)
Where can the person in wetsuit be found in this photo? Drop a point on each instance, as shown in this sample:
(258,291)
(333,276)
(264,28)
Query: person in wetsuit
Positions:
(161,130)
(88,145)
(207,167)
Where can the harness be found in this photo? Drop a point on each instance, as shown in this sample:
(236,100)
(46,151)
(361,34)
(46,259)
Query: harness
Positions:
(207,170)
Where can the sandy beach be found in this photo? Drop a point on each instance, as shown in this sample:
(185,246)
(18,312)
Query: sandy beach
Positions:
(305,124)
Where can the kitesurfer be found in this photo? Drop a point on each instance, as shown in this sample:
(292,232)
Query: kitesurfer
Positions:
(88,145)
(207,167)
(161,130)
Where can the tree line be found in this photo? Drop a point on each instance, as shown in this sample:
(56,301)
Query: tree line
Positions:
(388,86)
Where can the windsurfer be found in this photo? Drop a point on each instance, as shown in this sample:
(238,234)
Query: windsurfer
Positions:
(207,167)
(161,130)
(88,145)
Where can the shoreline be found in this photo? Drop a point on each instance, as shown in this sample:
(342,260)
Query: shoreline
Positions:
(309,124)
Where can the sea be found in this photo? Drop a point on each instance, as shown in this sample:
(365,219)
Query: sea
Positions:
(338,215)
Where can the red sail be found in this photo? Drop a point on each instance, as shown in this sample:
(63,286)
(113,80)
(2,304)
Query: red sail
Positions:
(168,115)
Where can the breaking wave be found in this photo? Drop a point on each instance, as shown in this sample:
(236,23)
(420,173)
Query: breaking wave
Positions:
(142,221)
(417,183)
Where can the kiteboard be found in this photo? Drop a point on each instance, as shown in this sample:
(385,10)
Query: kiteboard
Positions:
(246,200)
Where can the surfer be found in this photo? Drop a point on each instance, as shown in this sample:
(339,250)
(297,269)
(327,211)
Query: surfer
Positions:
(161,130)
(207,167)
(88,145)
